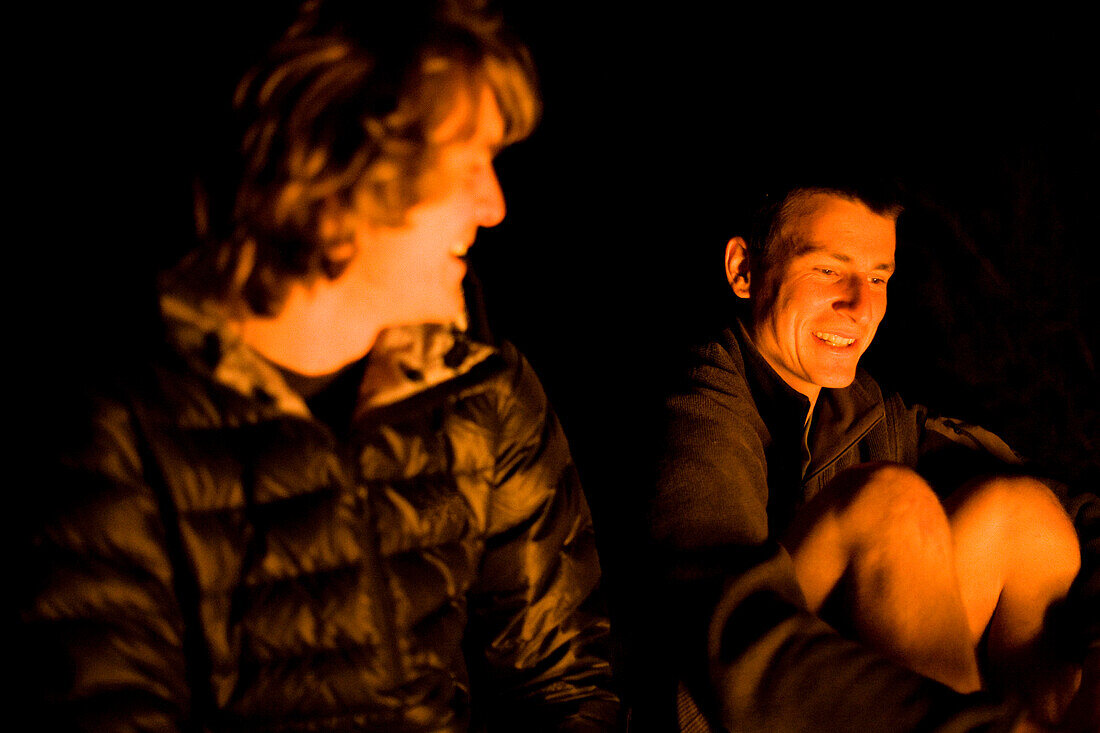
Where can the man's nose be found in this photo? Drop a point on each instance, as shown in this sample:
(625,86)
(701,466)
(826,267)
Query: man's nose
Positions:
(490,200)
(855,300)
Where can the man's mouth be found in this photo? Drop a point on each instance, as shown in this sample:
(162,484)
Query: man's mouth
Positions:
(833,339)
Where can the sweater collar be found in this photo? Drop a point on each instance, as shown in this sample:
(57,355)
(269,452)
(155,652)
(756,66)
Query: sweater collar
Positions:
(774,397)
(841,418)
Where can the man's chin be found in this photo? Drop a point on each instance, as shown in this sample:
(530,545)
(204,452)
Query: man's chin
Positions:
(835,379)
(448,312)
(460,322)
(455,318)
(452,318)
(838,382)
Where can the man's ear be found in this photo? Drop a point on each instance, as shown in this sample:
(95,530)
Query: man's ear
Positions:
(737,266)
(337,234)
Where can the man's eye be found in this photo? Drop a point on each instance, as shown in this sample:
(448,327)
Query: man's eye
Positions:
(826,271)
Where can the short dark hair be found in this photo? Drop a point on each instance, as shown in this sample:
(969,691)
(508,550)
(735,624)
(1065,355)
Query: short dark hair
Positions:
(343,103)
(779,203)
(777,207)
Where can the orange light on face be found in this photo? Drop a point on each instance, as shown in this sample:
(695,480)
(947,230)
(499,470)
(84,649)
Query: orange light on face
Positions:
(828,295)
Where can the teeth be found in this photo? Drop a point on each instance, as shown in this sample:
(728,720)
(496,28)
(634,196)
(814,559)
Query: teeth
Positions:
(833,340)
(459,249)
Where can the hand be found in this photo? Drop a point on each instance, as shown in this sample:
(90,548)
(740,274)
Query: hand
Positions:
(1070,707)
(1083,713)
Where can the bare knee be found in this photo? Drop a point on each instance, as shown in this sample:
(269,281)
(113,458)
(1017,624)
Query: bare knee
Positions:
(872,520)
(889,502)
(865,501)
(900,592)
(1018,555)
(1010,497)
(875,516)
(1024,520)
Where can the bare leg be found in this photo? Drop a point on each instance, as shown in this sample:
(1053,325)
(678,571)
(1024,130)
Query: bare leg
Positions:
(1017,554)
(879,532)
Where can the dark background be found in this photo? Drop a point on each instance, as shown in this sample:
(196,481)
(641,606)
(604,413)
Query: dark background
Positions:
(658,123)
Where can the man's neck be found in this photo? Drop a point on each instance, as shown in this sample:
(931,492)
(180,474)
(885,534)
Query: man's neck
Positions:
(309,334)
(809,391)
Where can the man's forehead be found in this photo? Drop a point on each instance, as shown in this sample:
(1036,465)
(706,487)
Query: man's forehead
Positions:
(840,229)
(474,118)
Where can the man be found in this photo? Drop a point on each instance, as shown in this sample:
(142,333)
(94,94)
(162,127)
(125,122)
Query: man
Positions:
(789,508)
(317,504)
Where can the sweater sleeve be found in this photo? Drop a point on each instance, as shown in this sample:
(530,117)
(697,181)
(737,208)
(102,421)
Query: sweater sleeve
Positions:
(102,628)
(750,653)
(539,636)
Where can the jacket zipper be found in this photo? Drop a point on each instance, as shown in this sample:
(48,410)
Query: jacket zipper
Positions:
(379,578)
(843,451)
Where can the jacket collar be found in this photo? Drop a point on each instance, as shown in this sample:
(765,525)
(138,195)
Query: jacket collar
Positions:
(404,361)
(775,399)
(412,359)
(841,418)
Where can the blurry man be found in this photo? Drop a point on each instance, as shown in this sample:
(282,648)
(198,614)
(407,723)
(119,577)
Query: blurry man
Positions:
(789,505)
(317,504)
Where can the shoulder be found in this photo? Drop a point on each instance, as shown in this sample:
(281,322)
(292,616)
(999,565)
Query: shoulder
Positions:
(115,419)
(95,427)
(722,352)
(517,381)
(714,367)
(711,417)
(507,385)
(711,383)
(95,503)
(532,463)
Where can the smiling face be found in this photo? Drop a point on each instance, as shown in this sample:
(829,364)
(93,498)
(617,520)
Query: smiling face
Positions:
(412,273)
(394,274)
(826,294)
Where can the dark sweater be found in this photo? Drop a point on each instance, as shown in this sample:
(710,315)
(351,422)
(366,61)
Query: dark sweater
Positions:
(736,465)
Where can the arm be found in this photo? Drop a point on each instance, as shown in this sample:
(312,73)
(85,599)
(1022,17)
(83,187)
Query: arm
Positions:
(538,640)
(751,654)
(100,623)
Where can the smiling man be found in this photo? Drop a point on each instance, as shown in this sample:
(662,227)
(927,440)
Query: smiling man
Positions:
(838,560)
(819,313)
(316,503)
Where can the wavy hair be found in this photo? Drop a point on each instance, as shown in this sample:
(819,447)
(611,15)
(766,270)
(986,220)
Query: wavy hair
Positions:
(344,103)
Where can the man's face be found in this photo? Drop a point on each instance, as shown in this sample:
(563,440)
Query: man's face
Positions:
(828,293)
(413,272)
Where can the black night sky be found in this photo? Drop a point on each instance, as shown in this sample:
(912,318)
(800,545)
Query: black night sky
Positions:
(657,124)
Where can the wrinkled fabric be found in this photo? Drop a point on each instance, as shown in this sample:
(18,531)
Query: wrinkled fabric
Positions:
(736,465)
(207,556)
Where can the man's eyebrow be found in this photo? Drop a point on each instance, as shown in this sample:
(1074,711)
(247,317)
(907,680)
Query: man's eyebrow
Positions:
(808,248)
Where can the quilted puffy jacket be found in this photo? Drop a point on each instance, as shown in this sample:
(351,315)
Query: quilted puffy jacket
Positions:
(208,556)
